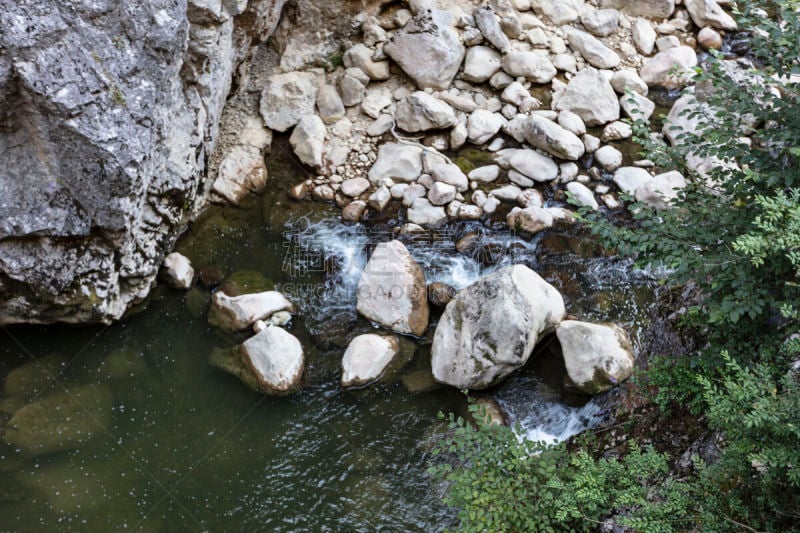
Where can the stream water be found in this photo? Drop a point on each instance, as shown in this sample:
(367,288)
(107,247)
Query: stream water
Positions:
(190,448)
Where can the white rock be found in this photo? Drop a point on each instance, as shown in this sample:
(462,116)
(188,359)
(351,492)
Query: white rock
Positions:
(379,199)
(601,22)
(590,96)
(637,107)
(421,112)
(178,271)
(536,166)
(391,290)
(469,212)
(398,161)
(424,213)
(617,131)
(553,139)
(441,193)
(367,357)
(529,65)
(625,79)
(490,328)
(609,158)
(531,219)
(486,21)
(709,13)
(629,179)
(661,189)
(412,192)
(571,122)
(235,313)
(592,49)
(458,135)
(376,100)
(597,356)
(360,57)
(583,194)
(485,174)
(506,193)
(270,362)
(287,98)
(644,36)
(482,125)
(670,69)
(450,174)
(308,140)
(480,64)
(559,12)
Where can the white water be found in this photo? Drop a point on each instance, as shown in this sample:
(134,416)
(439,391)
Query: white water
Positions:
(534,407)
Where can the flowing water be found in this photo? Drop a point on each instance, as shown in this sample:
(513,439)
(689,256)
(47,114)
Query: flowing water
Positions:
(189,448)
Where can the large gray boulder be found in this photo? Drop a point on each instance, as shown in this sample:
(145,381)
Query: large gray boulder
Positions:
(109,112)
(490,328)
(392,290)
(428,49)
(287,98)
(421,112)
(271,362)
(597,356)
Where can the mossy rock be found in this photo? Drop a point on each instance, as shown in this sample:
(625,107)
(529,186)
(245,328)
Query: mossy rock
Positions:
(197,302)
(464,164)
(123,363)
(477,157)
(246,282)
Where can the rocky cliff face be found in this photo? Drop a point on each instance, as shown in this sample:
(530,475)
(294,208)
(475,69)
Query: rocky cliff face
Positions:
(108,113)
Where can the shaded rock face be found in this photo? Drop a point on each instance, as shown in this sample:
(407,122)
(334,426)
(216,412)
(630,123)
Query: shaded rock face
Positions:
(108,113)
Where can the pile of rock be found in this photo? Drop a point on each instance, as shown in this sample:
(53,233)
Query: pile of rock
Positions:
(542,85)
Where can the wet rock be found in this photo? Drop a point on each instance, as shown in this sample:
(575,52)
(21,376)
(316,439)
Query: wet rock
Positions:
(529,65)
(490,328)
(440,294)
(287,98)
(661,189)
(489,412)
(366,359)
(270,362)
(391,290)
(299,191)
(246,282)
(533,219)
(61,421)
(235,313)
(397,161)
(428,49)
(590,96)
(481,64)
(31,379)
(123,363)
(354,211)
(597,356)
(197,301)
(671,69)
(552,138)
(709,39)
(421,112)
(420,381)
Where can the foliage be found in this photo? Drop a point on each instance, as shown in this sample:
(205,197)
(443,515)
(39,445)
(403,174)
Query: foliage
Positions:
(734,234)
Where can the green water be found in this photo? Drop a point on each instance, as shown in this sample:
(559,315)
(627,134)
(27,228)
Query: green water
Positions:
(189,448)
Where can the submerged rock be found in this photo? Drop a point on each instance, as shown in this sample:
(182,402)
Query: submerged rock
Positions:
(30,379)
(270,362)
(61,421)
(597,356)
(391,290)
(490,328)
(235,313)
(367,357)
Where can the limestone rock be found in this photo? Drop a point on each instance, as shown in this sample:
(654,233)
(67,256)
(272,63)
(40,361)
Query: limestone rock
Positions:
(60,421)
(489,26)
(421,112)
(329,104)
(450,174)
(583,195)
(658,70)
(601,22)
(427,49)
(661,189)
(360,57)
(553,139)
(482,125)
(490,328)
(590,96)
(629,179)
(710,13)
(534,165)
(532,219)
(655,9)
(354,187)
(308,140)
(391,290)
(397,161)
(287,98)
(644,36)
(367,357)
(481,64)
(593,50)
(424,213)
(529,65)
(240,312)
(597,356)
(271,362)
(560,12)
(178,271)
